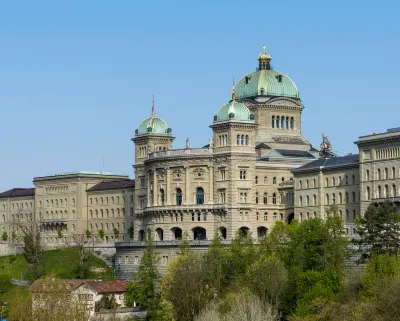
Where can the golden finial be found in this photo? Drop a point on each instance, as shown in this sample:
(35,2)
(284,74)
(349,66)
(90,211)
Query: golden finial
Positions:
(265,48)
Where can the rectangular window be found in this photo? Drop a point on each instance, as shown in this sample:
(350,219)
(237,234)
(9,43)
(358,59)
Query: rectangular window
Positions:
(265,216)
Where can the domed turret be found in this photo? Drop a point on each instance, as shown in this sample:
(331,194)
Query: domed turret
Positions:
(233,111)
(266,82)
(153,125)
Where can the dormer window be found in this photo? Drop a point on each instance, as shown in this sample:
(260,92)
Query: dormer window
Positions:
(262,91)
(279,78)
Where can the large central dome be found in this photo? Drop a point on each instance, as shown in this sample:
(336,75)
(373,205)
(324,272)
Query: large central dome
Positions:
(266,82)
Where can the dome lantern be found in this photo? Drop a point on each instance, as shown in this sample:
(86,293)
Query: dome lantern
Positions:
(264,60)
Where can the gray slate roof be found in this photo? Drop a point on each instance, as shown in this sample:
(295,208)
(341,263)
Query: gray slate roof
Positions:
(329,162)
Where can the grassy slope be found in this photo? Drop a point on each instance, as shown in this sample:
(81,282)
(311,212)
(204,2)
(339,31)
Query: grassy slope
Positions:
(61,263)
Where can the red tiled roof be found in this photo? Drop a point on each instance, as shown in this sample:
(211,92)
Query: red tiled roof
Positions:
(98,286)
(130,183)
(18,192)
(108,286)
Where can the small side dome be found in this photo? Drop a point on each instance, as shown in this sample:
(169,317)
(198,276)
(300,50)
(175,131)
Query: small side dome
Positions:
(233,111)
(153,125)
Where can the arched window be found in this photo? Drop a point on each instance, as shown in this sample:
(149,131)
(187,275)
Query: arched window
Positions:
(274,180)
(326,182)
(287,122)
(347,197)
(393,172)
(238,140)
(353,178)
(200,195)
(367,175)
(394,190)
(265,179)
(368,193)
(314,183)
(333,198)
(256,197)
(379,192)
(291,123)
(340,198)
(307,200)
(327,199)
(178,196)
(265,198)
(315,199)
(386,191)
(274,198)
(162,196)
(256,179)
(273,121)
(277,121)
(247,140)
(346,179)
(386,173)
(354,197)
(283,122)
(333,181)
(307,184)
(242,140)
(379,173)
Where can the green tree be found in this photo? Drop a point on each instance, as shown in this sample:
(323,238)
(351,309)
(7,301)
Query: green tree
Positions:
(379,229)
(143,288)
(267,277)
(116,233)
(59,233)
(88,234)
(101,234)
(184,286)
(4,236)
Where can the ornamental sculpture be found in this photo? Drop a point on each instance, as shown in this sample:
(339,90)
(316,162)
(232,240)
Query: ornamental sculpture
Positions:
(325,147)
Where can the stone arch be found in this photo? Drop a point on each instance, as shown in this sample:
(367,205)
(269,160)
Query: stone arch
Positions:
(176,233)
(290,218)
(262,231)
(159,234)
(244,230)
(223,232)
(199,233)
(142,235)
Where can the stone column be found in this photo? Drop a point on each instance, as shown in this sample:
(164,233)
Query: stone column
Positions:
(186,199)
(155,188)
(211,188)
(148,189)
(167,187)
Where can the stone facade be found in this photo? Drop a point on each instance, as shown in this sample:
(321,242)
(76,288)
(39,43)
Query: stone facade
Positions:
(71,203)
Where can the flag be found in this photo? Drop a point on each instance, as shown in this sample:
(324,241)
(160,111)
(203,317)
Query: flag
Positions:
(233,90)
(152,107)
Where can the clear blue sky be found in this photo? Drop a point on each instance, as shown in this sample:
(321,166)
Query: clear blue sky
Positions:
(76,77)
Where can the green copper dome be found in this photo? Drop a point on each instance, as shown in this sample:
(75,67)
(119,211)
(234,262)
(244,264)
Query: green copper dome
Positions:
(153,125)
(266,82)
(233,111)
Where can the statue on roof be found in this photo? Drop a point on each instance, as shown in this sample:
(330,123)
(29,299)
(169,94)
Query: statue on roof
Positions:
(187,143)
(325,150)
(211,142)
